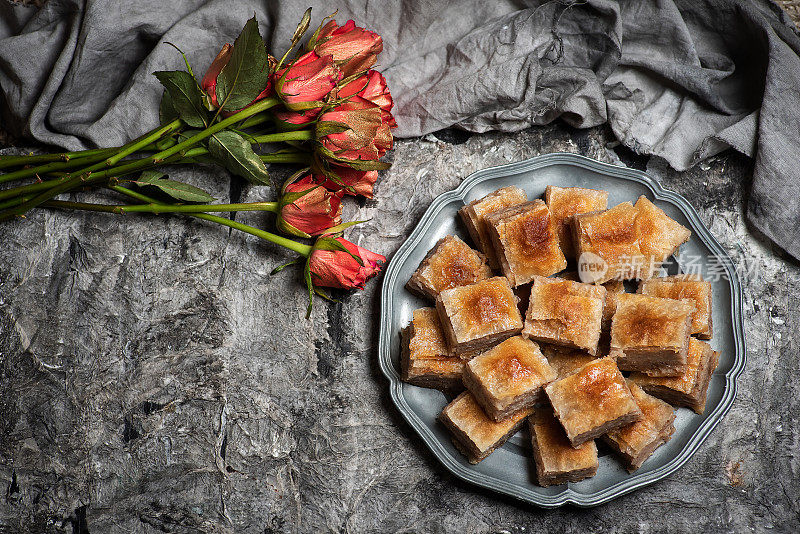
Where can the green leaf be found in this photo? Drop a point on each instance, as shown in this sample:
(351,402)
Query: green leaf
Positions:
(312,42)
(185,60)
(279,268)
(237,155)
(247,72)
(341,227)
(331,244)
(330,127)
(185,96)
(305,22)
(186,134)
(325,295)
(358,164)
(166,110)
(310,285)
(291,198)
(177,190)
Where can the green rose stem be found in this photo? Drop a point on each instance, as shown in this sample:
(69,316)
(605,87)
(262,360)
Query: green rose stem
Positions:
(59,165)
(72,164)
(89,176)
(300,248)
(14,202)
(287,157)
(49,184)
(67,182)
(130,148)
(77,160)
(158,208)
(26,190)
(16,161)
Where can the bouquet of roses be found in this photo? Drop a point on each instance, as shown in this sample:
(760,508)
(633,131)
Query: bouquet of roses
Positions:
(326,104)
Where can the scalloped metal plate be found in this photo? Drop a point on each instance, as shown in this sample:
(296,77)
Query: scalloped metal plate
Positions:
(509,469)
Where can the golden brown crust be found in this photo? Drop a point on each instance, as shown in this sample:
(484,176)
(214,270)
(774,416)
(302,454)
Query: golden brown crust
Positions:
(592,401)
(565,360)
(525,239)
(474,215)
(557,461)
(485,311)
(636,442)
(450,263)
(476,433)
(684,287)
(610,235)
(632,240)
(565,313)
(642,321)
(508,377)
(569,201)
(689,389)
(659,235)
(425,360)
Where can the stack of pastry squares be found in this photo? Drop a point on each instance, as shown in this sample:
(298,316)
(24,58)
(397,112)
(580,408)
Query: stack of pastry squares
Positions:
(578,357)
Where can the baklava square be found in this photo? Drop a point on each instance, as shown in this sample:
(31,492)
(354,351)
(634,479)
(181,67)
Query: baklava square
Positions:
(508,377)
(557,461)
(525,241)
(565,202)
(477,316)
(683,286)
(424,359)
(565,313)
(592,401)
(636,442)
(474,217)
(607,245)
(659,235)
(651,334)
(690,388)
(565,360)
(450,263)
(474,434)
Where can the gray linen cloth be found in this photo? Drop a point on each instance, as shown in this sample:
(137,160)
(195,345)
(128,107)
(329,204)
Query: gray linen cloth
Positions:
(682,80)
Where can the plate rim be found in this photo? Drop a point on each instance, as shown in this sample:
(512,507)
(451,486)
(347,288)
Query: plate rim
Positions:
(566,496)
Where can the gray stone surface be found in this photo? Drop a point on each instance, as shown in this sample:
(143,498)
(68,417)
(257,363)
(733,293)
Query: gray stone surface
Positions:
(155,378)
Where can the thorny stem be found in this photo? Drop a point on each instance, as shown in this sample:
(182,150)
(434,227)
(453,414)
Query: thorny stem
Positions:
(26,190)
(58,165)
(143,142)
(16,161)
(300,248)
(90,176)
(158,207)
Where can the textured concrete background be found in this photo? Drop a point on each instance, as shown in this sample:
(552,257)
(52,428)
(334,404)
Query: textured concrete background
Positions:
(155,378)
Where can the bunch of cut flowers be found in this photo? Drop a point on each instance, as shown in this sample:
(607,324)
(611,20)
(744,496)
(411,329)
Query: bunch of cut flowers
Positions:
(326,106)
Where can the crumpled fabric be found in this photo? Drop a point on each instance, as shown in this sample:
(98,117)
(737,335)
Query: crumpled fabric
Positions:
(682,80)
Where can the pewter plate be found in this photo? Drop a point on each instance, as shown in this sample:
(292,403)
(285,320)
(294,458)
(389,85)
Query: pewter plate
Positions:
(509,470)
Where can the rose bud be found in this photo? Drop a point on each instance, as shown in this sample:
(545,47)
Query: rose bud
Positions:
(337,268)
(306,208)
(351,181)
(209,82)
(354,130)
(303,84)
(353,48)
(371,86)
